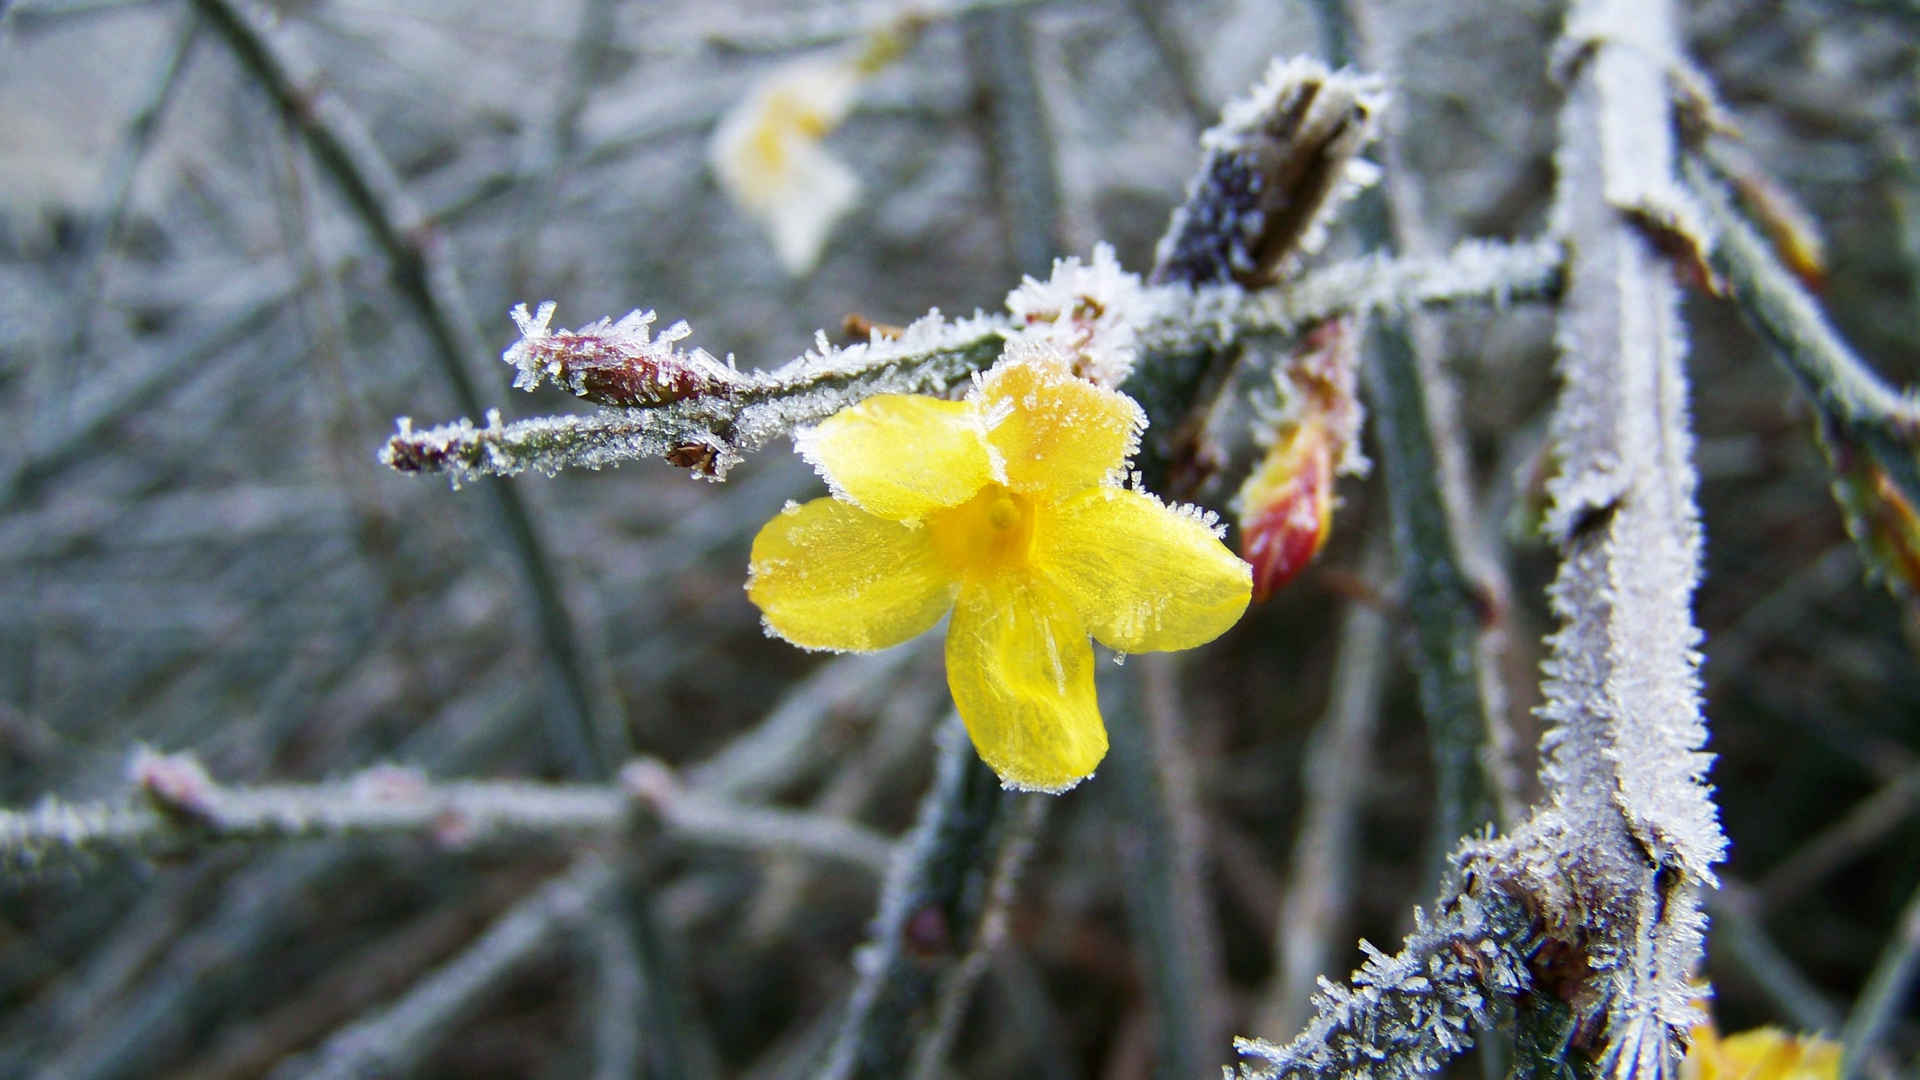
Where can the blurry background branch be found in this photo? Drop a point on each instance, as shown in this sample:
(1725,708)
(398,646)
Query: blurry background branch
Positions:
(197,553)
(179,807)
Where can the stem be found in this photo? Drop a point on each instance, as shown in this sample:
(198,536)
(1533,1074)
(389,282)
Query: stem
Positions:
(935,907)
(393,1041)
(184,809)
(1160,842)
(1885,995)
(425,270)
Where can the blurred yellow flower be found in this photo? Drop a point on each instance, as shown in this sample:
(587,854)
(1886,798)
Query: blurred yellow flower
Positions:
(1007,509)
(768,155)
(1760,1054)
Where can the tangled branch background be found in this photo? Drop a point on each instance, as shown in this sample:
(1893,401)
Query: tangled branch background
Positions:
(319,769)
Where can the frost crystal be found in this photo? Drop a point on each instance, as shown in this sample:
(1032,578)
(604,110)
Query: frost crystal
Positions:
(613,363)
(1088,310)
(1278,163)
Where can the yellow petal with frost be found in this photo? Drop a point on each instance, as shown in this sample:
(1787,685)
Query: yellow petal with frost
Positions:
(828,575)
(1021,672)
(1144,576)
(900,456)
(1054,432)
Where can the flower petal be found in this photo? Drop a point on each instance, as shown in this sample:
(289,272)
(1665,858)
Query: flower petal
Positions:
(1144,576)
(1052,431)
(827,575)
(900,456)
(1021,672)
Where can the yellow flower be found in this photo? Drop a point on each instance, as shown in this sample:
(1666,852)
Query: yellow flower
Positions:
(1005,508)
(769,157)
(1760,1054)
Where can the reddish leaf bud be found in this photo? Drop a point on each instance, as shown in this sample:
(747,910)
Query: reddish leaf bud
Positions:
(1286,508)
(614,363)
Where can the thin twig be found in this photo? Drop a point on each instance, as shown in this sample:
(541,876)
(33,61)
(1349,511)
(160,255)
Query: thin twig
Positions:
(1839,841)
(393,1041)
(1333,774)
(1849,394)
(932,911)
(592,719)
(141,128)
(1884,999)
(184,808)
(1742,941)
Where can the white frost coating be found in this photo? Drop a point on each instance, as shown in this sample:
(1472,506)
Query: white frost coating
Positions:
(1089,310)
(1283,79)
(563,355)
(1303,124)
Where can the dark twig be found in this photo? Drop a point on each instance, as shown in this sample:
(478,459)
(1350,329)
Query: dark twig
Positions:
(1885,997)
(935,906)
(1015,135)
(1451,587)
(181,807)
(1333,773)
(1148,780)
(956,986)
(590,729)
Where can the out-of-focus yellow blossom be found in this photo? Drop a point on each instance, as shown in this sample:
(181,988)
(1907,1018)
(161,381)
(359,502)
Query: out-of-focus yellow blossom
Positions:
(769,159)
(1761,1054)
(1007,509)
(768,153)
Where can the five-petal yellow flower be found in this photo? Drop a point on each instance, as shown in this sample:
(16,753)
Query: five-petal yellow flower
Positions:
(1007,509)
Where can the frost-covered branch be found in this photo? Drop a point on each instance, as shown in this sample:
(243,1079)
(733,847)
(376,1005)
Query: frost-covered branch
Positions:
(705,415)
(392,1041)
(1618,861)
(425,269)
(940,898)
(1407,1014)
(179,807)
(1598,896)
(1871,430)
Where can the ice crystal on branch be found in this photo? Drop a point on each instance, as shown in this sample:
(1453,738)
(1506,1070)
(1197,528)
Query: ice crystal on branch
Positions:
(1278,164)
(614,363)
(1087,310)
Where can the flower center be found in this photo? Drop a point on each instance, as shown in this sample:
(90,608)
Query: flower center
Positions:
(990,532)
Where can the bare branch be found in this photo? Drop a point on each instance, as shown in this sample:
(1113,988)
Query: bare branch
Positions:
(938,903)
(1880,1002)
(183,808)
(1861,416)
(392,1041)
(702,415)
